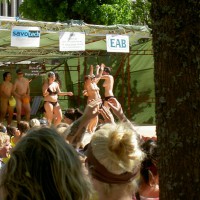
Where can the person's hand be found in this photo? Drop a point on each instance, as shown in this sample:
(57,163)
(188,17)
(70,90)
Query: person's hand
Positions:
(97,67)
(92,109)
(85,93)
(102,66)
(70,94)
(107,115)
(116,108)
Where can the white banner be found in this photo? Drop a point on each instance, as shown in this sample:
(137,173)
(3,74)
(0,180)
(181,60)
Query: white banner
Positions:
(117,43)
(22,36)
(72,41)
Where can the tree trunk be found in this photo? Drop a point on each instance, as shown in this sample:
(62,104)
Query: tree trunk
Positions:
(176,45)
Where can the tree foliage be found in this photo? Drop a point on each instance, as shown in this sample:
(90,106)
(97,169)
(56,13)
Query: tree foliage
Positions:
(141,12)
(105,12)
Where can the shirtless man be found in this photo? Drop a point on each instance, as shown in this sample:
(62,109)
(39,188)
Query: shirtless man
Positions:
(21,91)
(51,91)
(108,85)
(6,95)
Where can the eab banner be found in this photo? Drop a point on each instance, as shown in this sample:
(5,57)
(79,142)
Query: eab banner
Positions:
(22,36)
(72,41)
(117,43)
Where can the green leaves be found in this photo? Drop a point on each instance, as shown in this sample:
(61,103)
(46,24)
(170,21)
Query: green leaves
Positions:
(105,12)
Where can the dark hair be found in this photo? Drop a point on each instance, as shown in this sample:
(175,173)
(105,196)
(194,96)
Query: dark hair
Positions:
(5,74)
(23,126)
(148,166)
(11,130)
(58,79)
(51,73)
(19,71)
(73,114)
(107,69)
(3,128)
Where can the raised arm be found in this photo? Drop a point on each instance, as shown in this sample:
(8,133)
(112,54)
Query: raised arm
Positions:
(118,111)
(77,130)
(99,72)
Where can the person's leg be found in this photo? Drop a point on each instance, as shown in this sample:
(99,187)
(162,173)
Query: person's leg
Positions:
(10,114)
(49,112)
(27,109)
(4,108)
(58,114)
(19,109)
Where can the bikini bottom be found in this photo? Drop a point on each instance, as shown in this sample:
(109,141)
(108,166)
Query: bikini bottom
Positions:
(52,103)
(107,98)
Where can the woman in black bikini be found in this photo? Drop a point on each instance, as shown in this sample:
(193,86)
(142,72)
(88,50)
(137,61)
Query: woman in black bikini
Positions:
(51,90)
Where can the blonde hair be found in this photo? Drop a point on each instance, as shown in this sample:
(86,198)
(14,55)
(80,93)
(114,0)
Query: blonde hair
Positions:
(116,147)
(3,139)
(61,129)
(43,166)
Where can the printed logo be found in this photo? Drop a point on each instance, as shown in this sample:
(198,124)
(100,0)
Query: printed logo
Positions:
(26,33)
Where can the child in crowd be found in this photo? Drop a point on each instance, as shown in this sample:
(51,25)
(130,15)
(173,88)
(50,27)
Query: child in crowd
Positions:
(5,147)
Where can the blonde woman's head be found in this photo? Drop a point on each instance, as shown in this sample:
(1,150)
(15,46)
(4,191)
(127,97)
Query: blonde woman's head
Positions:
(116,147)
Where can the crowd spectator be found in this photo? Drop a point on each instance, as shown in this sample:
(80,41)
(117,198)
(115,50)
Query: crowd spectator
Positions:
(43,166)
(149,184)
(114,158)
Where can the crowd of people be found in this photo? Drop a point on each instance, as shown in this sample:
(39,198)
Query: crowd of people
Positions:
(75,155)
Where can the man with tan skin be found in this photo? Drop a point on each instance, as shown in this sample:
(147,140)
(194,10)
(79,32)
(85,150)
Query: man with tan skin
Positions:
(6,95)
(21,91)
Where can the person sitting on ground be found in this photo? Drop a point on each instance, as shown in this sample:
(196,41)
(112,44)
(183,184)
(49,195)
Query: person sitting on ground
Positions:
(5,147)
(114,158)
(43,166)
(149,184)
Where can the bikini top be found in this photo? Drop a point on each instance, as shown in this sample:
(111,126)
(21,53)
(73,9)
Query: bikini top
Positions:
(149,198)
(50,92)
